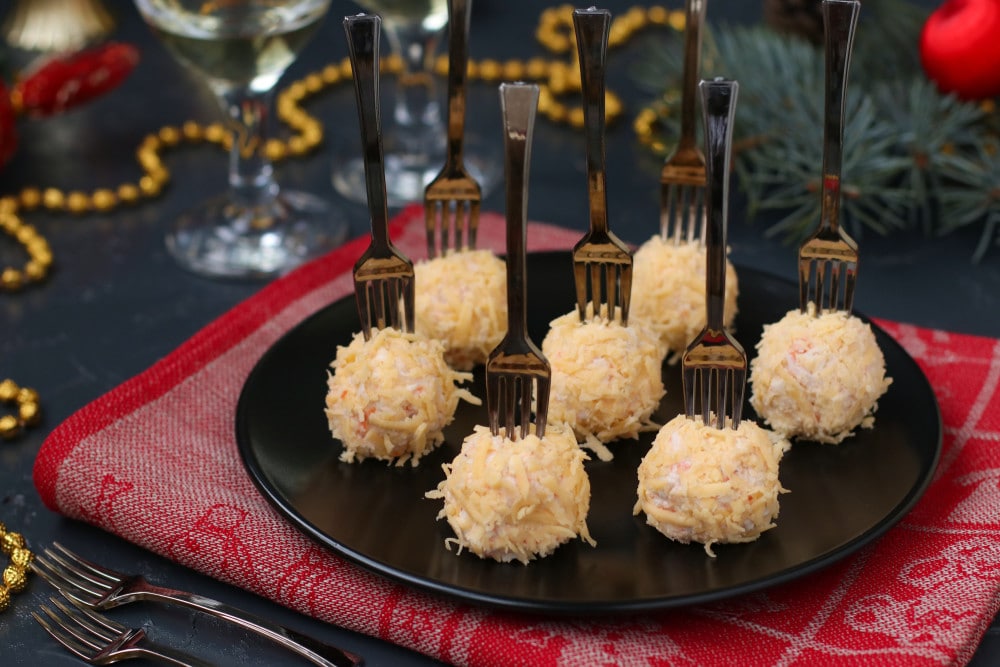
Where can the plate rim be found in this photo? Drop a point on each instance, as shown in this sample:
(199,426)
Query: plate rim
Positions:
(591,607)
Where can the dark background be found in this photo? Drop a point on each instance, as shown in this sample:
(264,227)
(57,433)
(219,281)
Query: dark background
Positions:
(115,302)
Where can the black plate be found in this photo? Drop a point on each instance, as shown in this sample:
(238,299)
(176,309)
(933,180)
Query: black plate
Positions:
(841,497)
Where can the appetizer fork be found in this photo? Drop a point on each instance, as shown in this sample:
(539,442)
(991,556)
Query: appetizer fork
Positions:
(100,641)
(383,276)
(715,362)
(452,199)
(602,263)
(682,180)
(100,588)
(516,369)
(830,247)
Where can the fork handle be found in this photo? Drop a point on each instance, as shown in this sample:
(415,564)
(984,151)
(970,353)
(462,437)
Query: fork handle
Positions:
(459,21)
(592,27)
(518,105)
(719,107)
(363,35)
(694,17)
(840,19)
(313,650)
(164,655)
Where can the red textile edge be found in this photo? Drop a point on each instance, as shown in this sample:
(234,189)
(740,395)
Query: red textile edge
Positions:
(204,346)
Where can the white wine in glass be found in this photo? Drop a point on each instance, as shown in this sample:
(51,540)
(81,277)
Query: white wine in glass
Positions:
(241,48)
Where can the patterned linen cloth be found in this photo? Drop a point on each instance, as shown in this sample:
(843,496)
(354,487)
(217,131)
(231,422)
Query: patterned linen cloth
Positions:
(155,462)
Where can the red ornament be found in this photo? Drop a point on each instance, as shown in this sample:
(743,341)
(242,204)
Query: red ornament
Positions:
(63,82)
(60,83)
(960,48)
(8,132)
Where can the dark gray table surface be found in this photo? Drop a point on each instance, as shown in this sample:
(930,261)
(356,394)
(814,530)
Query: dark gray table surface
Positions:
(116,303)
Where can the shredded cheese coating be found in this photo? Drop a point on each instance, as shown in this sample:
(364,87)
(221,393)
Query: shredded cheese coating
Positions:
(702,484)
(461,300)
(390,397)
(668,291)
(606,378)
(515,499)
(818,378)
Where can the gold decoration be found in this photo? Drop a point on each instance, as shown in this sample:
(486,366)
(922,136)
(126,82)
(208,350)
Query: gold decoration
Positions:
(11,541)
(21,557)
(29,413)
(15,578)
(15,575)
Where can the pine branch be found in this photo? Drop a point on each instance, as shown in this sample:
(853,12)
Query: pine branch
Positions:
(971,195)
(913,158)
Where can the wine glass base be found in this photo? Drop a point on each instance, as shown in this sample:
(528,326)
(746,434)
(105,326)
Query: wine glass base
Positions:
(406,177)
(223,240)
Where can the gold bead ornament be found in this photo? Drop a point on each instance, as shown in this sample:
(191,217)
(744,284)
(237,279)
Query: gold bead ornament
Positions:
(15,575)
(28,410)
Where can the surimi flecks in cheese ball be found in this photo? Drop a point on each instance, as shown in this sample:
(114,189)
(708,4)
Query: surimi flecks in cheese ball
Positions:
(818,378)
(390,397)
(461,300)
(699,483)
(607,378)
(668,291)
(516,499)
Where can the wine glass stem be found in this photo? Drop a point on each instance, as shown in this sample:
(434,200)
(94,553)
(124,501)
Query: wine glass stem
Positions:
(417,112)
(251,176)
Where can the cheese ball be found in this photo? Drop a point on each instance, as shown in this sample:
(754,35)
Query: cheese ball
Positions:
(515,499)
(668,291)
(703,484)
(818,378)
(461,300)
(390,397)
(607,378)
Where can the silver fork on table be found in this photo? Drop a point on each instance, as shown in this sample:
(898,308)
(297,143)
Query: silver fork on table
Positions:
(682,179)
(830,247)
(517,369)
(452,199)
(602,263)
(714,364)
(101,588)
(383,276)
(100,641)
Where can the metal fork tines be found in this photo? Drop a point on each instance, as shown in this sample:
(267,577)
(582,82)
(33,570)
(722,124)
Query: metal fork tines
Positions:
(100,588)
(516,370)
(602,263)
(828,260)
(100,641)
(452,199)
(682,179)
(714,365)
(383,276)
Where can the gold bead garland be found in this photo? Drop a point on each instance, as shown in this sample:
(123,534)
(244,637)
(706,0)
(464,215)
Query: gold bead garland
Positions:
(648,124)
(15,575)
(28,413)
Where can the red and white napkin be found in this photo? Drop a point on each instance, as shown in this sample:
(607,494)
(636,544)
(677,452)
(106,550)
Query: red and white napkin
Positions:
(155,462)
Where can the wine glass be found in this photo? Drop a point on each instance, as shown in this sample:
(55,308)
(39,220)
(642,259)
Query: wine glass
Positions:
(414,140)
(241,48)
